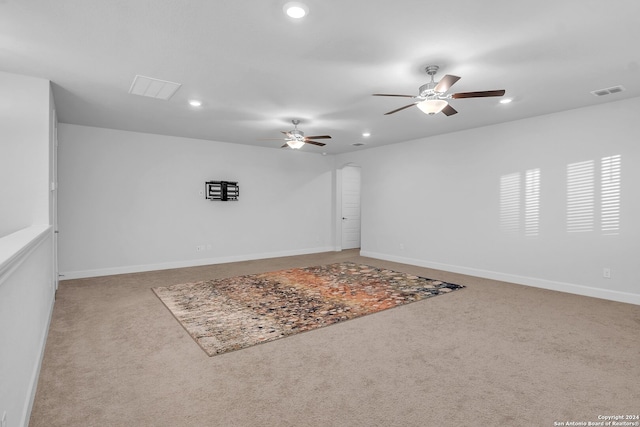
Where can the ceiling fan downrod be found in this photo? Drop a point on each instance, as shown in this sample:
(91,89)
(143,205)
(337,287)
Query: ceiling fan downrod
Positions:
(295,133)
(427,90)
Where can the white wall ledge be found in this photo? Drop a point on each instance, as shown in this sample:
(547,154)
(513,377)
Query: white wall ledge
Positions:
(15,247)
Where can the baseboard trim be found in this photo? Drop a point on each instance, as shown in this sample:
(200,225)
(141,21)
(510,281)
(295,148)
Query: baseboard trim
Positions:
(571,288)
(81,274)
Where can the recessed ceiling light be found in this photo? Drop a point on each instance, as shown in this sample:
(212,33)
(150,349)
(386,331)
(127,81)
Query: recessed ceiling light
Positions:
(295,9)
(505,101)
(366,134)
(195,103)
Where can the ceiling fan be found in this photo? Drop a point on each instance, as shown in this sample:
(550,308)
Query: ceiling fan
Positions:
(295,138)
(432,97)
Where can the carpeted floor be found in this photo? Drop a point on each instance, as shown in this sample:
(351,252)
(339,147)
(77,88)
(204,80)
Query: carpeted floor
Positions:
(229,314)
(492,354)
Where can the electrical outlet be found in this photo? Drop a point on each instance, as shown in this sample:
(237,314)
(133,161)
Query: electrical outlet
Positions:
(199,248)
(606,273)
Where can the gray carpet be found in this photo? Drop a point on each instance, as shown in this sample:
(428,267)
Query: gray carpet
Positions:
(495,354)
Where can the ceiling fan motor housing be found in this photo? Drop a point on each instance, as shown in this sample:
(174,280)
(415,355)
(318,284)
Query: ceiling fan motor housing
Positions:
(297,134)
(426,90)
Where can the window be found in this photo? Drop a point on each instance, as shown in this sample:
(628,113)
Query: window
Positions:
(589,198)
(532,203)
(520,207)
(610,195)
(510,203)
(580,203)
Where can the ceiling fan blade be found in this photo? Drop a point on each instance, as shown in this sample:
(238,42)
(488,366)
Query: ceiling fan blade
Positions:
(449,110)
(319,137)
(320,144)
(386,94)
(445,83)
(400,109)
(481,94)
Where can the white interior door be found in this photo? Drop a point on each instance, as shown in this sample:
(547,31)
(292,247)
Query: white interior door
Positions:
(350,207)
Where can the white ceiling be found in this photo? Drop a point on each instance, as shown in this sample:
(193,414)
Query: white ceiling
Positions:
(256,69)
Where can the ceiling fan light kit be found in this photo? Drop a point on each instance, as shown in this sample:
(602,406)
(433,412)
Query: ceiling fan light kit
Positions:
(295,143)
(432,106)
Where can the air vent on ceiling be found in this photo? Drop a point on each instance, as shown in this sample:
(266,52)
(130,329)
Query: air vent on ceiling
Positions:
(608,91)
(153,88)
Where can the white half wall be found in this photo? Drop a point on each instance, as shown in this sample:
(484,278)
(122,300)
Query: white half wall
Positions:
(501,201)
(27,271)
(133,202)
(26,303)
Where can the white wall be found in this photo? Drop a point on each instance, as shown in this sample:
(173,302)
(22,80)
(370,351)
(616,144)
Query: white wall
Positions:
(27,273)
(130,202)
(436,202)
(24,152)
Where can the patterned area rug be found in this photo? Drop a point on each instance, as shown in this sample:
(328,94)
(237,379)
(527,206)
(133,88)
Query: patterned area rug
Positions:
(223,315)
